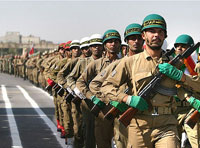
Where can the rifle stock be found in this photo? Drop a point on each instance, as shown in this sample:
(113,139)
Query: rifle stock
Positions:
(193,119)
(148,92)
(112,113)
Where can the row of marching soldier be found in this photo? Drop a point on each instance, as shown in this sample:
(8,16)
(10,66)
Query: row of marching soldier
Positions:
(104,88)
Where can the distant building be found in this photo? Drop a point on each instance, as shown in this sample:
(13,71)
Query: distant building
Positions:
(30,40)
(11,37)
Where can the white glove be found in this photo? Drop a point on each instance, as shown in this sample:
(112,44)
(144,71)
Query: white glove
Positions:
(78,93)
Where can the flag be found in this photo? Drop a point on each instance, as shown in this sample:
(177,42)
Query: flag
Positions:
(32,50)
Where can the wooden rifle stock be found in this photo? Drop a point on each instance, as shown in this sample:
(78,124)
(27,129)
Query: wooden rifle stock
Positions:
(112,113)
(193,119)
(126,118)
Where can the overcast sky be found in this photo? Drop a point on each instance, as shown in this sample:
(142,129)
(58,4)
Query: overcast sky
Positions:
(60,21)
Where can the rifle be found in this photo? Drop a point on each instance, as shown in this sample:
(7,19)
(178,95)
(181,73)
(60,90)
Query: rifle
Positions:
(114,112)
(193,119)
(148,91)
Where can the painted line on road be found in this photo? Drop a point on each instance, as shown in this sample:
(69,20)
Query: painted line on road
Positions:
(46,93)
(11,120)
(42,115)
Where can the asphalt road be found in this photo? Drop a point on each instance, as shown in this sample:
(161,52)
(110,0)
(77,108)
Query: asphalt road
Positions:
(26,116)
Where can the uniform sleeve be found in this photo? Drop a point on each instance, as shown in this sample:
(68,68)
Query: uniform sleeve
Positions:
(120,76)
(83,82)
(74,75)
(64,72)
(193,82)
(96,83)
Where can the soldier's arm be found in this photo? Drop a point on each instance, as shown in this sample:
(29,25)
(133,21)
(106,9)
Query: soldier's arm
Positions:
(83,82)
(65,71)
(96,83)
(74,75)
(120,76)
(192,81)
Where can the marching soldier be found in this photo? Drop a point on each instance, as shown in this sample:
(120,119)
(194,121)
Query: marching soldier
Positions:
(111,43)
(132,36)
(150,127)
(95,43)
(184,109)
(61,79)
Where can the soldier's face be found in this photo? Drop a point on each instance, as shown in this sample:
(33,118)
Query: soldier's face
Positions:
(67,52)
(135,43)
(86,51)
(113,45)
(96,49)
(154,38)
(180,48)
(75,51)
(124,50)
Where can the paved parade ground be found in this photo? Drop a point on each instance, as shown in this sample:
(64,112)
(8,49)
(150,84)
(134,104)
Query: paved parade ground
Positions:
(26,116)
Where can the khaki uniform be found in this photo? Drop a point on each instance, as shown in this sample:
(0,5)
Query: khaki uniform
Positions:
(87,119)
(15,66)
(120,132)
(20,64)
(47,64)
(41,79)
(184,112)
(103,128)
(147,129)
(49,74)
(35,71)
(29,69)
(65,106)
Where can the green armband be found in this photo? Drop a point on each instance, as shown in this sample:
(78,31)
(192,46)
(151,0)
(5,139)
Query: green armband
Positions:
(194,103)
(120,106)
(97,101)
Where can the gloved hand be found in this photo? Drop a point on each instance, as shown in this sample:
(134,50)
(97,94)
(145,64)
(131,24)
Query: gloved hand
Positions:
(120,106)
(170,71)
(197,68)
(51,82)
(137,102)
(195,103)
(97,101)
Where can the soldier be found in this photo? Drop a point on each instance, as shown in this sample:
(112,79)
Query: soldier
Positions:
(52,75)
(95,43)
(150,127)
(184,109)
(132,36)
(61,80)
(111,43)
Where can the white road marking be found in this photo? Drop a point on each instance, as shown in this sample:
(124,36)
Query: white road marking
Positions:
(16,141)
(46,93)
(42,115)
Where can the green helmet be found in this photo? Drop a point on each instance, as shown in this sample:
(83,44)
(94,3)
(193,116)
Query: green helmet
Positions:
(184,39)
(111,34)
(132,29)
(154,20)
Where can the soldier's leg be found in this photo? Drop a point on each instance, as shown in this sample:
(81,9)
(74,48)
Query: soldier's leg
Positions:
(78,124)
(103,131)
(149,131)
(60,113)
(192,134)
(120,134)
(88,127)
(56,105)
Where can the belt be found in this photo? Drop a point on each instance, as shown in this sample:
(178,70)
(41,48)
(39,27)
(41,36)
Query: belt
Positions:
(158,111)
(182,104)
